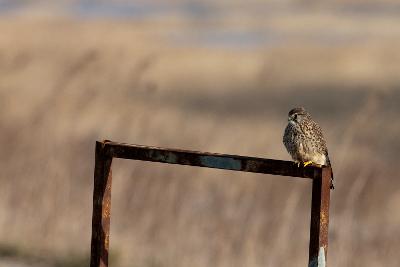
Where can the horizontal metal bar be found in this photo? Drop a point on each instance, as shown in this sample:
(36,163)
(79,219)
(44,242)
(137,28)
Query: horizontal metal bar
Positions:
(210,160)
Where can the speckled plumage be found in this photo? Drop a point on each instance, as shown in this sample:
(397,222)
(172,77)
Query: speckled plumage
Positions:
(303,139)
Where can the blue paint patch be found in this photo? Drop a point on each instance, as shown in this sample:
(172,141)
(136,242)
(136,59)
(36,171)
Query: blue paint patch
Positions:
(221,163)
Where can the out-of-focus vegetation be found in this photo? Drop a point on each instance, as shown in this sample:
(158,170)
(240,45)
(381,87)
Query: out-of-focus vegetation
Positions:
(219,83)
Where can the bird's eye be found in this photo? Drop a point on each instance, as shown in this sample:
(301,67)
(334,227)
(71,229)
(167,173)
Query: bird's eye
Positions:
(295,117)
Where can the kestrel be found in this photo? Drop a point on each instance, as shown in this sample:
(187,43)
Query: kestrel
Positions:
(304,141)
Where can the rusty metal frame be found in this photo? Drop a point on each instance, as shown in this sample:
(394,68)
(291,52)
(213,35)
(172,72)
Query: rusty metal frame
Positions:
(107,150)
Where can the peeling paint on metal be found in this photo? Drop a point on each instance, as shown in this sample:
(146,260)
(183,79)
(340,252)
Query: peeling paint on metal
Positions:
(320,260)
(168,158)
(321,257)
(221,163)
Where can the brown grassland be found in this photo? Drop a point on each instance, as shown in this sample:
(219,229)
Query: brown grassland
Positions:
(66,83)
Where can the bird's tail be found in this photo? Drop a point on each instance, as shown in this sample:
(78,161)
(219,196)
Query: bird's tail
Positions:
(328,163)
(332,185)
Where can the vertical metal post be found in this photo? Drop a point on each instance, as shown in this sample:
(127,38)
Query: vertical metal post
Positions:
(101,208)
(320,219)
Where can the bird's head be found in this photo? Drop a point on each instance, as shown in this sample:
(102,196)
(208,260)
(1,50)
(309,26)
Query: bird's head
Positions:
(296,115)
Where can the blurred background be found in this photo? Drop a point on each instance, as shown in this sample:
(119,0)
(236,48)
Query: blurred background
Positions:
(216,76)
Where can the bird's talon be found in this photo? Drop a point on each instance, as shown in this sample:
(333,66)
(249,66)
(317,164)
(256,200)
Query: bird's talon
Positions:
(307,163)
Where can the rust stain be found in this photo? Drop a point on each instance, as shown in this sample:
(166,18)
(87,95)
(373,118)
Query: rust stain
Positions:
(107,241)
(107,209)
(324,219)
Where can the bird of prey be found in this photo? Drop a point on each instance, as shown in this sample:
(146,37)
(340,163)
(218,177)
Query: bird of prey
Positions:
(304,141)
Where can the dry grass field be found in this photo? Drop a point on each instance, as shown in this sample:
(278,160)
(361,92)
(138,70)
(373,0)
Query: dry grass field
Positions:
(65,83)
